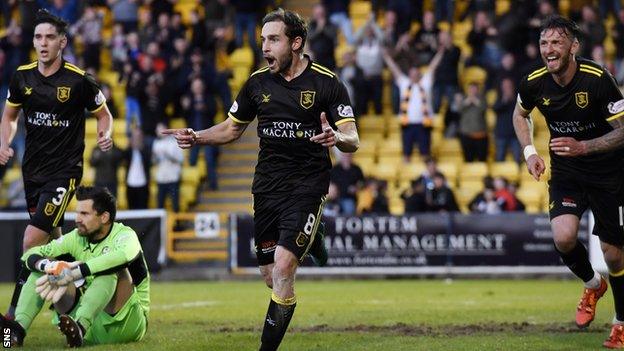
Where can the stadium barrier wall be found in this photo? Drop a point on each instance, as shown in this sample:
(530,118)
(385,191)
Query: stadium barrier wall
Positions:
(150,225)
(438,244)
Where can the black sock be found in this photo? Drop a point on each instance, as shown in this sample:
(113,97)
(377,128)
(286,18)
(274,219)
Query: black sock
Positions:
(617,287)
(22,277)
(275,324)
(578,262)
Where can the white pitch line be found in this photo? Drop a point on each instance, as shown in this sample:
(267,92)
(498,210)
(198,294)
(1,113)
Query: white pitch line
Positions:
(184,305)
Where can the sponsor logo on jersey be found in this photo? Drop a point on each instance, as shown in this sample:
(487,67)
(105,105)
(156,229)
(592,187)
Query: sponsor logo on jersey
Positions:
(234,107)
(566,127)
(62,93)
(287,130)
(614,107)
(27,91)
(545,101)
(46,119)
(568,202)
(266,98)
(105,249)
(345,111)
(307,98)
(100,98)
(49,209)
(582,99)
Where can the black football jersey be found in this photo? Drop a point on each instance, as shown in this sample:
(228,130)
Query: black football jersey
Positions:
(288,115)
(582,110)
(54,112)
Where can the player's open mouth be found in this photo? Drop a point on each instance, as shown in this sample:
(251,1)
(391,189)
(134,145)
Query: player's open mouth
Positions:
(270,61)
(551,59)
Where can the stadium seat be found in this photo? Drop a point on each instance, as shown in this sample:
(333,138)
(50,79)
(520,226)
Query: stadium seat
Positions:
(507,169)
(367,147)
(449,169)
(371,124)
(387,172)
(390,147)
(411,171)
(531,199)
(473,171)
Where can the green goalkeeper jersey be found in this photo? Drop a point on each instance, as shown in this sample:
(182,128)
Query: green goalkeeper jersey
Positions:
(119,249)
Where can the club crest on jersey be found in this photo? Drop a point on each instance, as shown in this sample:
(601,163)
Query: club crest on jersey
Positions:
(302,239)
(307,99)
(49,209)
(581,99)
(62,93)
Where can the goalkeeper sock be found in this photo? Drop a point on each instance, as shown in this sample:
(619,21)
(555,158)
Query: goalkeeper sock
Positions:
(22,277)
(95,298)
(277,319)
(617,288)
(29,303)
(578,261)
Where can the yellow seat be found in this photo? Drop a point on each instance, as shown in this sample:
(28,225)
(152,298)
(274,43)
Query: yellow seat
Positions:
(449,169)
(389,147)
(367,147)
(411,171)
(369,124)
(531,199)
(508,170)
(474,74)
(450,147)
(473,171)
(387,172)
(91,127)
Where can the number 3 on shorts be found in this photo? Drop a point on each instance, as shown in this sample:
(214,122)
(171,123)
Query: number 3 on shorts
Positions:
(58,199)
(307,229)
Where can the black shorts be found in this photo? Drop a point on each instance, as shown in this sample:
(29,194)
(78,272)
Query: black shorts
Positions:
(48,201)
(571,195)
(290,221)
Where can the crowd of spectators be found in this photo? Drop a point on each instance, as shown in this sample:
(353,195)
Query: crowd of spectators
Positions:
(170,67)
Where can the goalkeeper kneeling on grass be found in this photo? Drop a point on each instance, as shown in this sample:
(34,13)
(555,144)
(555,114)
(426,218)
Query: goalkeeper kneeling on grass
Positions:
(102,296)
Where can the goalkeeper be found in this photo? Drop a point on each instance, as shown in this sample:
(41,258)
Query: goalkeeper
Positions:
(102,296)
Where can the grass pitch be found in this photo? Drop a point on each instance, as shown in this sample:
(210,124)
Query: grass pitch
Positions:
(385,315)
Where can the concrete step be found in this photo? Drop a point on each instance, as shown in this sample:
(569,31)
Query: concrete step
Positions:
(235,181)
(228,207)
(225,170)
(229,162)
(221,194)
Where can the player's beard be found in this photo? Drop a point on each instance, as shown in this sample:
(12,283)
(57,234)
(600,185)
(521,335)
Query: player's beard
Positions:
(564,64)
(89,234)
(285,63)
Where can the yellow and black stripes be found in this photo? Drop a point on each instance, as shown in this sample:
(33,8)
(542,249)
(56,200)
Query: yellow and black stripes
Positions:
(264,69)
(68,194)
(317,221)
(616,116)
(536,74)
(236,119)
(28,66)
(73,68)
(322,70)
(288,301)
(345,120)
(590,69)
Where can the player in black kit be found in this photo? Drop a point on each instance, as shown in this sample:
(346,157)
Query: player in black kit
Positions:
(53,95)
(583,109)
(302,110)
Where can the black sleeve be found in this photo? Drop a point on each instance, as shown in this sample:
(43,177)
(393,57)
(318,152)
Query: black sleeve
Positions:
(611,100)
(15,95)
(243,109)
(340,108)
(91,94)
(525,96)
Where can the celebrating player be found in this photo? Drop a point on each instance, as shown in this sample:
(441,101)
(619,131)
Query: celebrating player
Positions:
(583,109)
(53,95)
(302,110)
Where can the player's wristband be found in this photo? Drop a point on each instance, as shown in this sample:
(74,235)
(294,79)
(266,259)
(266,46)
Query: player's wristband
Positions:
(529,151)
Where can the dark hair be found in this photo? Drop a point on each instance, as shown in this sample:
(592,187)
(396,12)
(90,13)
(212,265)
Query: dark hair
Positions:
(557,22)
(295,25)
(44,16)
(103,200)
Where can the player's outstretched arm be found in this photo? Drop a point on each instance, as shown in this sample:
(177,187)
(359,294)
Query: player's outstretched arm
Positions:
(8,127)
(346,138)
(524,132)
(104,128)
(222,133)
